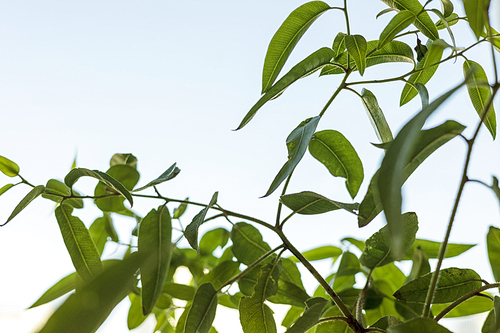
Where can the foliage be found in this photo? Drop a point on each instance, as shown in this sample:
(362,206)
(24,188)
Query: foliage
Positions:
(237,268)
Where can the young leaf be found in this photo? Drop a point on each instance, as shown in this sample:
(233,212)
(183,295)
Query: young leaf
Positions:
(471,306)
(287,36)
(75,174)
(155,240)
(296,143)
(475,11)
(311,315)
(213,239)
(398,23)
(32,195)
(79,244)
(170,173)
(86,310)
(5,188)
(123,159)
(376,116)
(180,210)
(135,316)
(377,251)
(248,245)
(493,245)
(309,203)
(320,253)
(424,95)
(418,325)
(338,46)
(191,232)
(356,46)
(202,312)
(453,283)
(8,167)
(126,175)
(307,66)
(480,93)
(426,69)
(340,158)
(392,173)
(54,186)
(423,22)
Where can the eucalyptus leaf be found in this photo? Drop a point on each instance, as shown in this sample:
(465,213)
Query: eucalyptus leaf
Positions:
(32,195)
(213,239)
(179,291)
(5,188)
(475,11)
(398,23)
(202,312)
(447,7)
(191,232)
(451,20)
(310,203)
(356,47)
(248,245)
(126,175)
(376,116)
(169,174)
(60,189)
(135,317)
(61,288)
(180,210)
(8,167)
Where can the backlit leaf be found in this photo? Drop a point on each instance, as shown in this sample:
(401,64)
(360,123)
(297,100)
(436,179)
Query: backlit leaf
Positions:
(8,167)
(202,312)
(57,187)
(135,317)
(61,288)
(32,195)
(418,325)
(447,8)
(320,253)
(356,46)
(471,306)
(248,245)
(475,11)
(431,249)
(191,232)
(309,203)
(312,313)
(180,210)
(5,188)
(338,46)
(376,116)
(179,291)
(127,176)
(493,245)
(213,239)
(170,173)
(398,23)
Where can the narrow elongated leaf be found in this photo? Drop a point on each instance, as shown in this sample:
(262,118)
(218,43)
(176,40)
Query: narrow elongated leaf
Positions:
(338,46)
(170,173)
(155,240)
(311,315)
(376,116)
(423,22)
(248,245)
(377,251)
(32,195)
(392,172)
(348,268)
(99,233)
(480,93)
(453,283)
(471,306)
(61,288)
(335,152)
(54,186)
(419,325)
(320,253)
(431,249)
(291,316)
(191,232)
(296,143)
(8,167)
(221,273)
(475,11)
(450,20)
(79,244)
(309,203)
(179,211)
(424,95)
(135,316)
(202,312)
(356,46)
(179,291)
(77,173)
(398,23)
(447,8)
(307,66)
(420,265)
(493,245)
(126,175)
(495,188)
(86,310)
(287,36)
(426,69)
(5,188)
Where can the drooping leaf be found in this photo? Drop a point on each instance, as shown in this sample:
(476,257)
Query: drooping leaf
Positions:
(398,23)
(155,240)
(180,210)
(8,167)
(312,313)
(356,47)
(451,20)
(86,310)
(309,203)
(202,312)
(126,175)
(493,245)
(348,268)
(123,159)
(213,239)
(135,317)
(420,265)
(431,249)
(320,253)
(424,95)
(475,11)
(191,232)
(98,233)
(112,183)
(179,291)
(392,173)
(61,288)
(335,152)
(169,174)
(453,283)
(447,7)
(423,22)
(296,143)
(79,244)
(307,66)
(419,325)
(378,249)
(338,46)
(248,245)
(425,70)
(376,116)
(287,36)
(471,306)
(480,93)
(55,186)
(32,195)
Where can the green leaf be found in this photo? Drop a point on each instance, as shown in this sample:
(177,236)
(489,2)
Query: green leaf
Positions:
(221,273)
(453,283)
(202,313)
(5,188)
(471,306)
(179,291)
(398,23)
(61,288)
(386,322)
(191,232)
(307,66)
(98,233)
(57,187)
(248,245)
(338,46)
(8,167)
(378,250)
(333,326)
(423,22)
(492,322)
(451,20)
(424,94)
(376,116)
(340,158)
(135,317)
(179,211)
(112,183)
(123,159)
(155,240)
(86,310)
(420,265)
(79,244)
(431,249)
(32,195)
(289,293)
(291,316)
(493,245)
(348,268)
(125,175)
(287,36)
(418,325)
(480,93)
(296,143)
(475,11)
(425,70)
(356,47)
(309,203)
(312,313)
(255,316)
(392,173)
(170,173)
(320,253)
(447,8)
(212,240)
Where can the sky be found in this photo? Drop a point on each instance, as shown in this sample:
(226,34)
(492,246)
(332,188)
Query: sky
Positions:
(169,82)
